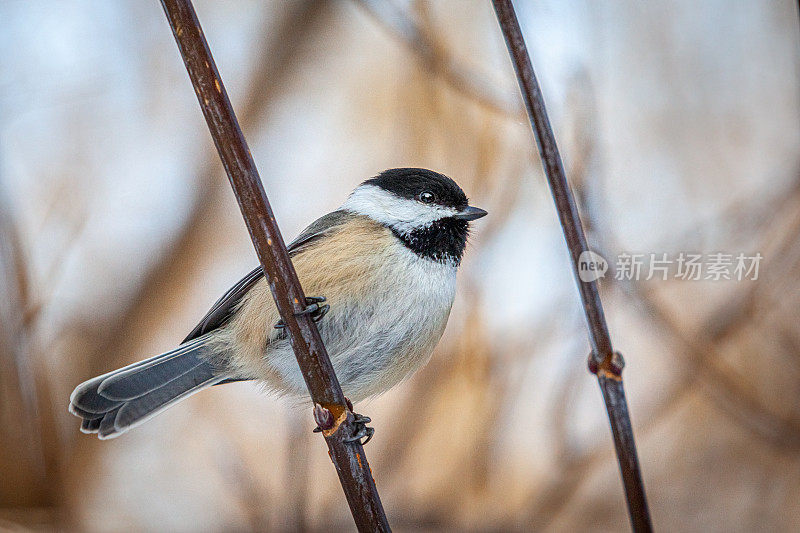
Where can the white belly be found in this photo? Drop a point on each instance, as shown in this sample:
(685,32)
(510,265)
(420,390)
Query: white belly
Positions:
(379,337)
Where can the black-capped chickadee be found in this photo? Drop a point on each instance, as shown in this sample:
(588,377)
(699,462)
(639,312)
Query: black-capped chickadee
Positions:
(386,263)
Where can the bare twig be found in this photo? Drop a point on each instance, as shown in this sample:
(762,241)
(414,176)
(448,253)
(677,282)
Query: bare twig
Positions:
(279,50)
(349,459)
(730,390)
(604,362)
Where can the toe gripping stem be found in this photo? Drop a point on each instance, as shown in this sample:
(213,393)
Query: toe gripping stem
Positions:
(324,420)
(361,429)
(312,308)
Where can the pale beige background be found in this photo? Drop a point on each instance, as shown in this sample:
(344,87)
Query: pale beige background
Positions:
(678,124)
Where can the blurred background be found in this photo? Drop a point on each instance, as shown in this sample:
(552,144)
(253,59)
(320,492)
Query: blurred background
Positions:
(679,126)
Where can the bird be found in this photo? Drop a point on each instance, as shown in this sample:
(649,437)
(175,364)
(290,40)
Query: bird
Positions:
(384,265)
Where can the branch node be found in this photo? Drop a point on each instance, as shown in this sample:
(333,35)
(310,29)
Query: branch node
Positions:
(603,361)
(606,367)
(323,417)
(332,415)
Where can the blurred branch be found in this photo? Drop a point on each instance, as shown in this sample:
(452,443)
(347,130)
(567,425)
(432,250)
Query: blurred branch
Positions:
(412,35)
(29,476)
(229,457)
(734,395)
(781,224)
(65,199)
(704,359)
(730,390)
(349,458)
(777,218)
(298,480)
(575,466)
(604,362)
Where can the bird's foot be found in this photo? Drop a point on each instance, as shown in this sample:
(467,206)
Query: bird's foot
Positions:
(313,308)
(323,417)
(361,429)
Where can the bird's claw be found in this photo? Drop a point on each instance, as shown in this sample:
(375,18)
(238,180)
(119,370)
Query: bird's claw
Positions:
(361,429)
(313,308)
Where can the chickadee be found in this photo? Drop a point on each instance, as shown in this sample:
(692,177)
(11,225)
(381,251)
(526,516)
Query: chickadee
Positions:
(386,262)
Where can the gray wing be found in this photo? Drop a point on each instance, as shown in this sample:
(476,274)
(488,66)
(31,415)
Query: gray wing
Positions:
(222,310)
(318,228)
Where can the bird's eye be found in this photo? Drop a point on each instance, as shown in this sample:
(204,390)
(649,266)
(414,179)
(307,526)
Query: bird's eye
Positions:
(426,197)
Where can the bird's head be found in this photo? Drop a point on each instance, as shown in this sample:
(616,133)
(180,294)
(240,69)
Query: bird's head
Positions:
(426,210)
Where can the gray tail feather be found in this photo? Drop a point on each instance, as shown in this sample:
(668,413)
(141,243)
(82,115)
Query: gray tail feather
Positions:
(113,403)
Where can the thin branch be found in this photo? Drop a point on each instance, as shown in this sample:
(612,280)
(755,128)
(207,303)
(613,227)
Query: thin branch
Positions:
(349,459)
(604,362)
(777,221)
(279,50)
(731,391)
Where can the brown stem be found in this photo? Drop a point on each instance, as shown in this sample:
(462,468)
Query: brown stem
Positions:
(349,459)
(604,362)
(279,51)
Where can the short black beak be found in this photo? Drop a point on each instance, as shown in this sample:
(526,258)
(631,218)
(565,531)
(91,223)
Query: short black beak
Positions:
(470,213)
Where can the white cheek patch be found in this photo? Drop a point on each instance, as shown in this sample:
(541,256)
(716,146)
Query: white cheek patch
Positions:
(402,214)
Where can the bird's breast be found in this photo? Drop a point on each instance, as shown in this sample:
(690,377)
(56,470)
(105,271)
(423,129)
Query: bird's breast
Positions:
(388,310)
(385,319)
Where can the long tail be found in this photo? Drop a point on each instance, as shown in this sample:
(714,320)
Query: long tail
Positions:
(113,403)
